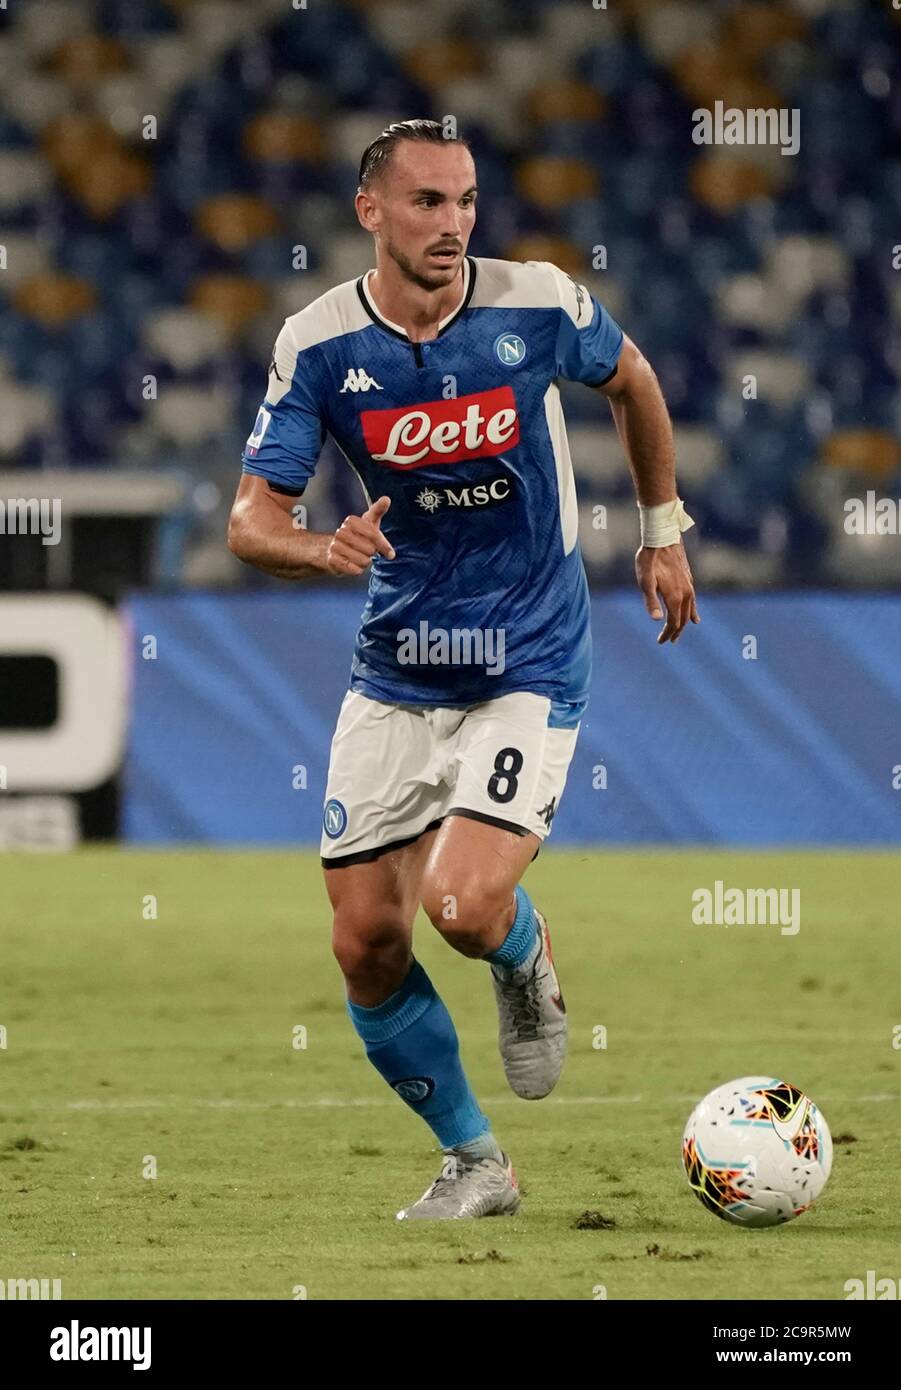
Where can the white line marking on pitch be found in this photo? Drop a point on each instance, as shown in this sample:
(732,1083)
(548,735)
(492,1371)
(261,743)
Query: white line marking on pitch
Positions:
(346,1103)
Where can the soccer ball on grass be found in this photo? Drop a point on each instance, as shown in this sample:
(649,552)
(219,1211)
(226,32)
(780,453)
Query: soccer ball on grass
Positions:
(757,1151)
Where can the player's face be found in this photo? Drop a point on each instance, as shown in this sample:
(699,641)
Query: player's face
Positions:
(423,210)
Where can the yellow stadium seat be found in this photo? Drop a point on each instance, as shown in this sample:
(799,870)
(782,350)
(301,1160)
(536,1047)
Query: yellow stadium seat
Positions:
(232,300)
(874,453)
(538,247)
(566,101)
(281,137)
(443,60)
(710,72)
(75,140)
(552,182)
(724,182)
(753,30)
(53,299)
(234,221)
(103,185)
(84,59)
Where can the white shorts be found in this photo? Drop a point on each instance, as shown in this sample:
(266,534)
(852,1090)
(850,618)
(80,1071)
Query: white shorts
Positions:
(397,770)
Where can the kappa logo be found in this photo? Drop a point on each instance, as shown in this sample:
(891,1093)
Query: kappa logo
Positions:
(447,431)
(580,295)
(432,498)
(358,379)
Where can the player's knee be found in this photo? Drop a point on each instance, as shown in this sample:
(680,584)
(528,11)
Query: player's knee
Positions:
(373,954)
(467,917)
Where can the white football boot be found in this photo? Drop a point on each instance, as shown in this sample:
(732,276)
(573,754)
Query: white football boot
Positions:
(467,1187)
(533,1028)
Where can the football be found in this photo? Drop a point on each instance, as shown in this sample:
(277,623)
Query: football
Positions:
(757,1151)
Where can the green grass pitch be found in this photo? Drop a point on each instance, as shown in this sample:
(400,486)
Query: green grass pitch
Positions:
(280,1168)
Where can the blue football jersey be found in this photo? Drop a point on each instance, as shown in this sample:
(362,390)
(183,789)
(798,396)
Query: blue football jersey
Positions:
(465,433)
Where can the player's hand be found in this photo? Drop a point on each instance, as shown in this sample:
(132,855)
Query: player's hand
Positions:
(357,539)
(663,573)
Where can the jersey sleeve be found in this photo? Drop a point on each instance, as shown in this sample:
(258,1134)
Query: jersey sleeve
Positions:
(589,341)
(288,434)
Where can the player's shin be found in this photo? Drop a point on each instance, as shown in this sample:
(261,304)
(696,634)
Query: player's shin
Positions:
(411,1041)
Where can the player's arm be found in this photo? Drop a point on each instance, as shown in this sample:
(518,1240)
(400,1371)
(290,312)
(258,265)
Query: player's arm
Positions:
(643,424)
(592,348)
(263,531)
(279,459)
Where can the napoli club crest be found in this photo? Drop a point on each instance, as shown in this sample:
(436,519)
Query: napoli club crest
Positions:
(510,349)
(334,819)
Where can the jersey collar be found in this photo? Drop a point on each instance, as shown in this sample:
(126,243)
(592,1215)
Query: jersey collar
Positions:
(469,282)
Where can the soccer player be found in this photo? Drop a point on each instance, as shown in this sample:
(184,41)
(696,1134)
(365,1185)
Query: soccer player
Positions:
(436,375)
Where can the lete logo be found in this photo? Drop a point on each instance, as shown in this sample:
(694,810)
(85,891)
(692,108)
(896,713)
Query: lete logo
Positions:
(468,427)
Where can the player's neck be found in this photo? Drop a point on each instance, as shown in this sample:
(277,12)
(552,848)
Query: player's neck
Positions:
(418,312)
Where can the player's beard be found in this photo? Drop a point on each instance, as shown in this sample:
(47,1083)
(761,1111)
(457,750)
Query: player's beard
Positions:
(436,280)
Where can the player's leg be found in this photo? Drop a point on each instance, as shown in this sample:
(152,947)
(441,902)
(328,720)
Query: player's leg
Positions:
(469,882)
(472,894)
(373,907)
(382,798)
(409,1035)
(513,756)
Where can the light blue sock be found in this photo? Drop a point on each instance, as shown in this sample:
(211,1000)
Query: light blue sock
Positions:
(522,937)
(411,1041)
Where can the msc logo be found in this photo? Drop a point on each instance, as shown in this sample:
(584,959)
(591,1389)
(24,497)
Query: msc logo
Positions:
(334,819)
(510,349)
(432,498)
(414,1088)
(446,431)
(358,379)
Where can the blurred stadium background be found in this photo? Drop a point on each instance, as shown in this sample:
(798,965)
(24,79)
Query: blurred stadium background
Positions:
(177,176)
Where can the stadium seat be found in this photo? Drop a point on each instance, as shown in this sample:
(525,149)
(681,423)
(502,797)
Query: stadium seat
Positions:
(234,221)
(27,411)
(54,300)
(442,60)
(187,415)
(549,183)
(183,338)
(86,59)
(723,182)
(873,455)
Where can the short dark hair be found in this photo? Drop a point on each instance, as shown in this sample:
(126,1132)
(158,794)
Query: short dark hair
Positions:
(377,155)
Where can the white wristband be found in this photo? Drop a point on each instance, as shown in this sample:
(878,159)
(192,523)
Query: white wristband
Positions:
(663,524)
